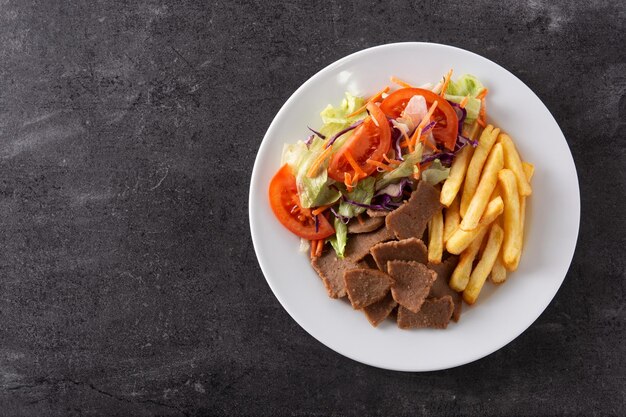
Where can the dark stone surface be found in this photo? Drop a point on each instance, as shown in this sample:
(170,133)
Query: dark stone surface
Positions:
(128,282)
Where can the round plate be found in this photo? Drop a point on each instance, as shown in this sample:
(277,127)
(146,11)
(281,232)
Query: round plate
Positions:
(502,312)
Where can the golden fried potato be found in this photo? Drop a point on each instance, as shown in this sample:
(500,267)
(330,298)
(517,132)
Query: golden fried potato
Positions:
(461,275)
(435,238)
(513,162)
(488,181)
(529,170)
(479,274)
(472,177)
(461,239)
(512,245)
(451,186)
(452,219)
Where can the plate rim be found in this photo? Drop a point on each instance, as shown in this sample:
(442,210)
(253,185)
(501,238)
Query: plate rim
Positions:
(329,68)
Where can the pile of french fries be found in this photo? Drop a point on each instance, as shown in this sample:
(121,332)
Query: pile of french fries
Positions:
(483,219)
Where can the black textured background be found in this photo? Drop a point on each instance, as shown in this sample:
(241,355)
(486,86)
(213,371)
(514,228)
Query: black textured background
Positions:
(128,282)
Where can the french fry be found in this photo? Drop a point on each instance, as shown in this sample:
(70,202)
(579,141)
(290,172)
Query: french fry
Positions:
(487,183)
(461,239)
(498,272)
(479,274)
(451,186)
(529,170)
(512,245)
(461,275)
(435,238)
(513,162)
(475,167)
(459,167)
(452,219)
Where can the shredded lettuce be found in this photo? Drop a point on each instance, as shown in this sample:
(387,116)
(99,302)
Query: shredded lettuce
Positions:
(313,192)
(435,173)
(335,118)
(465,85)
(472,106)
(405,169)
(339,240)
(362,193)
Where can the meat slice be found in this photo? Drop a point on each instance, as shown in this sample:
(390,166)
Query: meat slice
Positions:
(377,213)
(441,288)
(331,270)
(358,246)
(366,286)
(380,310)
(435,313)
(411,249)
(410,219)
(412,282)
(369,225)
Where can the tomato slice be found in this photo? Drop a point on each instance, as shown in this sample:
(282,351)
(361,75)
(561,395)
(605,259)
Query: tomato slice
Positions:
(446,129)
(286,207)
(371,140)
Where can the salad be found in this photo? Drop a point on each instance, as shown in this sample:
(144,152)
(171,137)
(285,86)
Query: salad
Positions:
(369,153)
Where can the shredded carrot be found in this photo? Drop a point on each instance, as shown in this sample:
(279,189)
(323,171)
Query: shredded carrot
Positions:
(320,209)
(357,169)
(446,81)
(391,161)
(481,122)
(483,110)
(372,99)
(482,94)
(318,161)
(399,82)
(320,247)
(379,165)
(463,102)
(359,219)
(347,180)
(405,143)
(313,248)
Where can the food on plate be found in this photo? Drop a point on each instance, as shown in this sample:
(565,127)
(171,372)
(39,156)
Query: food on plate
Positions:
(411,283)
(366,286)
(484,266)
(461,275)
(410,249)
(479,157)
(512,245)
(435,313)
(487,184)
(386,174)
(452,219)
(376,313)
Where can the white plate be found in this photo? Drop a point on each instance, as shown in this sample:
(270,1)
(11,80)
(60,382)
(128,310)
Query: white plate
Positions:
(501,313)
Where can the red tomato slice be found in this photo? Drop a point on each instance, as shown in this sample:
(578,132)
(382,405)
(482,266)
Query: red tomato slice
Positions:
(446,129)
(371,140)
(286,206)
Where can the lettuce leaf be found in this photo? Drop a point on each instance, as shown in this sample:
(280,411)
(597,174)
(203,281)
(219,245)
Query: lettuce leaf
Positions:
(472,106)
(465,85)
(313,192)
(335,118)
(435,173)
(405,169)
(362,193)
(339,240)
